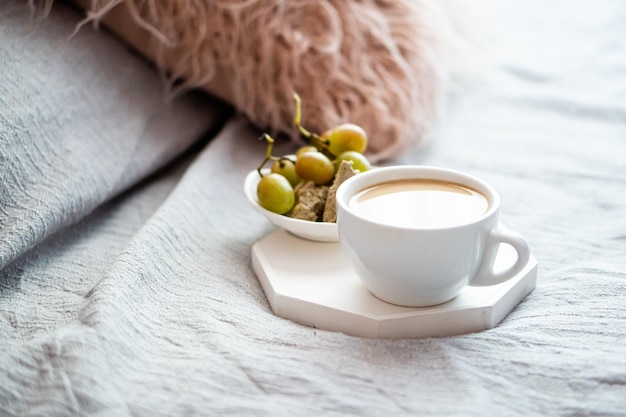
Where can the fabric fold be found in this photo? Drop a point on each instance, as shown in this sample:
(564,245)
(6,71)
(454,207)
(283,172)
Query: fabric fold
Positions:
(79,126)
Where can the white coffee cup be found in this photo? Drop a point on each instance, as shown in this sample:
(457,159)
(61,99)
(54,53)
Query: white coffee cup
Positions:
(419,265)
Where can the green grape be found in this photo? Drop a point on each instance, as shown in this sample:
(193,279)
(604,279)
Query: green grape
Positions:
(275,193)
(305,149)
(345,137)
(316,167)
(286,168)
(359,161)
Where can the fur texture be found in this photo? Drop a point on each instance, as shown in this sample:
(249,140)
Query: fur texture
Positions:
(382,64)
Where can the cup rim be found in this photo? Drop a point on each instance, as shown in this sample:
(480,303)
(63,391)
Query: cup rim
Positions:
(369,178)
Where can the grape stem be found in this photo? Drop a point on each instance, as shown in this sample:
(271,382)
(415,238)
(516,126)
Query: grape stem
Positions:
(282,160)
(269,156)
(268,152)
(313,138)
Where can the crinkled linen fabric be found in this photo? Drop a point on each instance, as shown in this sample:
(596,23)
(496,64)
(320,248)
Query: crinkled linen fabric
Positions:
(125,280)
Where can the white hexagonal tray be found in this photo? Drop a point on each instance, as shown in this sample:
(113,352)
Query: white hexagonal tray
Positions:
(311,283)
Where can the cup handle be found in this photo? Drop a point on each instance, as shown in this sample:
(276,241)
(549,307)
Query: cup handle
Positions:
(486,275)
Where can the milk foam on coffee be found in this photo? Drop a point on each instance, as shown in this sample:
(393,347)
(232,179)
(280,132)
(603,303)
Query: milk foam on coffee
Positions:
(419,203)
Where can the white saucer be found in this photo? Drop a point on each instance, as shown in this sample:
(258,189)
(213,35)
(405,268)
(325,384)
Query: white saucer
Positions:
(311,283)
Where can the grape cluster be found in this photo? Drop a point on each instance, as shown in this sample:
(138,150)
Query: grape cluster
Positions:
(317,162)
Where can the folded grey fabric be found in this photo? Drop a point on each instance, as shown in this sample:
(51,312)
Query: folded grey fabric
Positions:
(82,120)
(125,280)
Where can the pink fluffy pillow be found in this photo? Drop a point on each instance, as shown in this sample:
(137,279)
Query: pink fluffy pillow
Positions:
(381,64)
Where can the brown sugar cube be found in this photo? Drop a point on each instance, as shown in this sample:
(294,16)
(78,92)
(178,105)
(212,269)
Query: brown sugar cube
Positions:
(344,172)
(311,200)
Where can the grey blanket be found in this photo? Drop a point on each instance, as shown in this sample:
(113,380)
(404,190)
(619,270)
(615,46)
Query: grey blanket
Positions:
(125,280)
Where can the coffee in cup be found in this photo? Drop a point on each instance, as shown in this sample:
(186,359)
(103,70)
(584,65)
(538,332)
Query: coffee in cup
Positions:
(423,203)
(416,235)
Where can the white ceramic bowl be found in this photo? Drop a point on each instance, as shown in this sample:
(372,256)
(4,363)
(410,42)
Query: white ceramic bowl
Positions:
(319,231)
